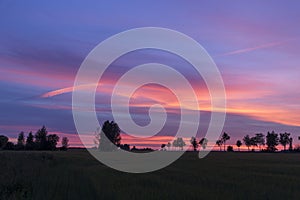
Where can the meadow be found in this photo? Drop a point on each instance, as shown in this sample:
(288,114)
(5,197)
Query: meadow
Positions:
(221,175)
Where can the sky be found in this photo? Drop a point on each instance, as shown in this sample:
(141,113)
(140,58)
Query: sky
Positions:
(255,45)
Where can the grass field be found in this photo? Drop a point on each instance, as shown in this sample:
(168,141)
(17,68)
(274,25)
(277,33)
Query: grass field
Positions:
(77,175)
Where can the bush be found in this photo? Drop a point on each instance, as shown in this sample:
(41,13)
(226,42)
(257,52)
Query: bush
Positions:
(230,149)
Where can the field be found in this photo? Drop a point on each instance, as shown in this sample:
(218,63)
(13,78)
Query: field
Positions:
(76,175)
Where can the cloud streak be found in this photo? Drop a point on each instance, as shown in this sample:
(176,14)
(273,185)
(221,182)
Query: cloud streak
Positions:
(250,49)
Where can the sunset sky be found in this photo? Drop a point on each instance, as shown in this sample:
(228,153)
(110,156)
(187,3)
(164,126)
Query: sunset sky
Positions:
(255,45)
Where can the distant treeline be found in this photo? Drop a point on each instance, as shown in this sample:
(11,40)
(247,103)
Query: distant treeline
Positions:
(108,138)
(40,141)
(268,143)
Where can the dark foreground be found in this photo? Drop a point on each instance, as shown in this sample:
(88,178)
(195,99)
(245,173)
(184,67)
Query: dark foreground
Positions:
(76,175)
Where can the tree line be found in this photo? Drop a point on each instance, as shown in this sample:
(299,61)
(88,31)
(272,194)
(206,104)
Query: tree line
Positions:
(269,143)
(108,138)
(41,140)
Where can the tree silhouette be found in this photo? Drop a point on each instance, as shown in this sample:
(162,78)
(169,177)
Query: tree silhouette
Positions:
(203,142)
(230,148)
(291,144)
(125,147)
(224,138)
(272,141)
(247,142)
(110,137)
(41,138)
(194,143)
(284,139)
(219,143)
(9,146)
(239,144)
(64,143)
(175,143)
(21,141)
(260,140)
(52,141)
(180,143)
(254,143)
(3,141)
(29,142)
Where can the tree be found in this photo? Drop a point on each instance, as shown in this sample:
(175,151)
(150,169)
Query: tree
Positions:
(239,144)
(260,140)
(194,143)
(291,144)
(110,137)
(253,141)
(284,139)
(219,143)
(9,146)
(3,141)
(230,148)
(203,142)
(175,143)
(21,141)
(125,147)
(64,143)
(29,142)
(272,141)
(247,142)
(41,138)
(224,138)
(180,143)
(52,141)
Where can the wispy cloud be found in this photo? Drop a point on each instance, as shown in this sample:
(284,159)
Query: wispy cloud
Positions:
(246,50)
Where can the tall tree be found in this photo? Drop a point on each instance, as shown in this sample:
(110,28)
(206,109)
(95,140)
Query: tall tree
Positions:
(284,139)
(238,144)
(254,142)
(64,143)
(291,144)
(52,141)
(219,143)
(260,140)
(110,137)
(41,138)
(21,141)
(272,141)
(247,141)
(224,138)
(29,142)
(3,141)
(203,143)
(194,143)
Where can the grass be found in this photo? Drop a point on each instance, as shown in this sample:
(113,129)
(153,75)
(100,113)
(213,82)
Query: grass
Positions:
(77,175)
